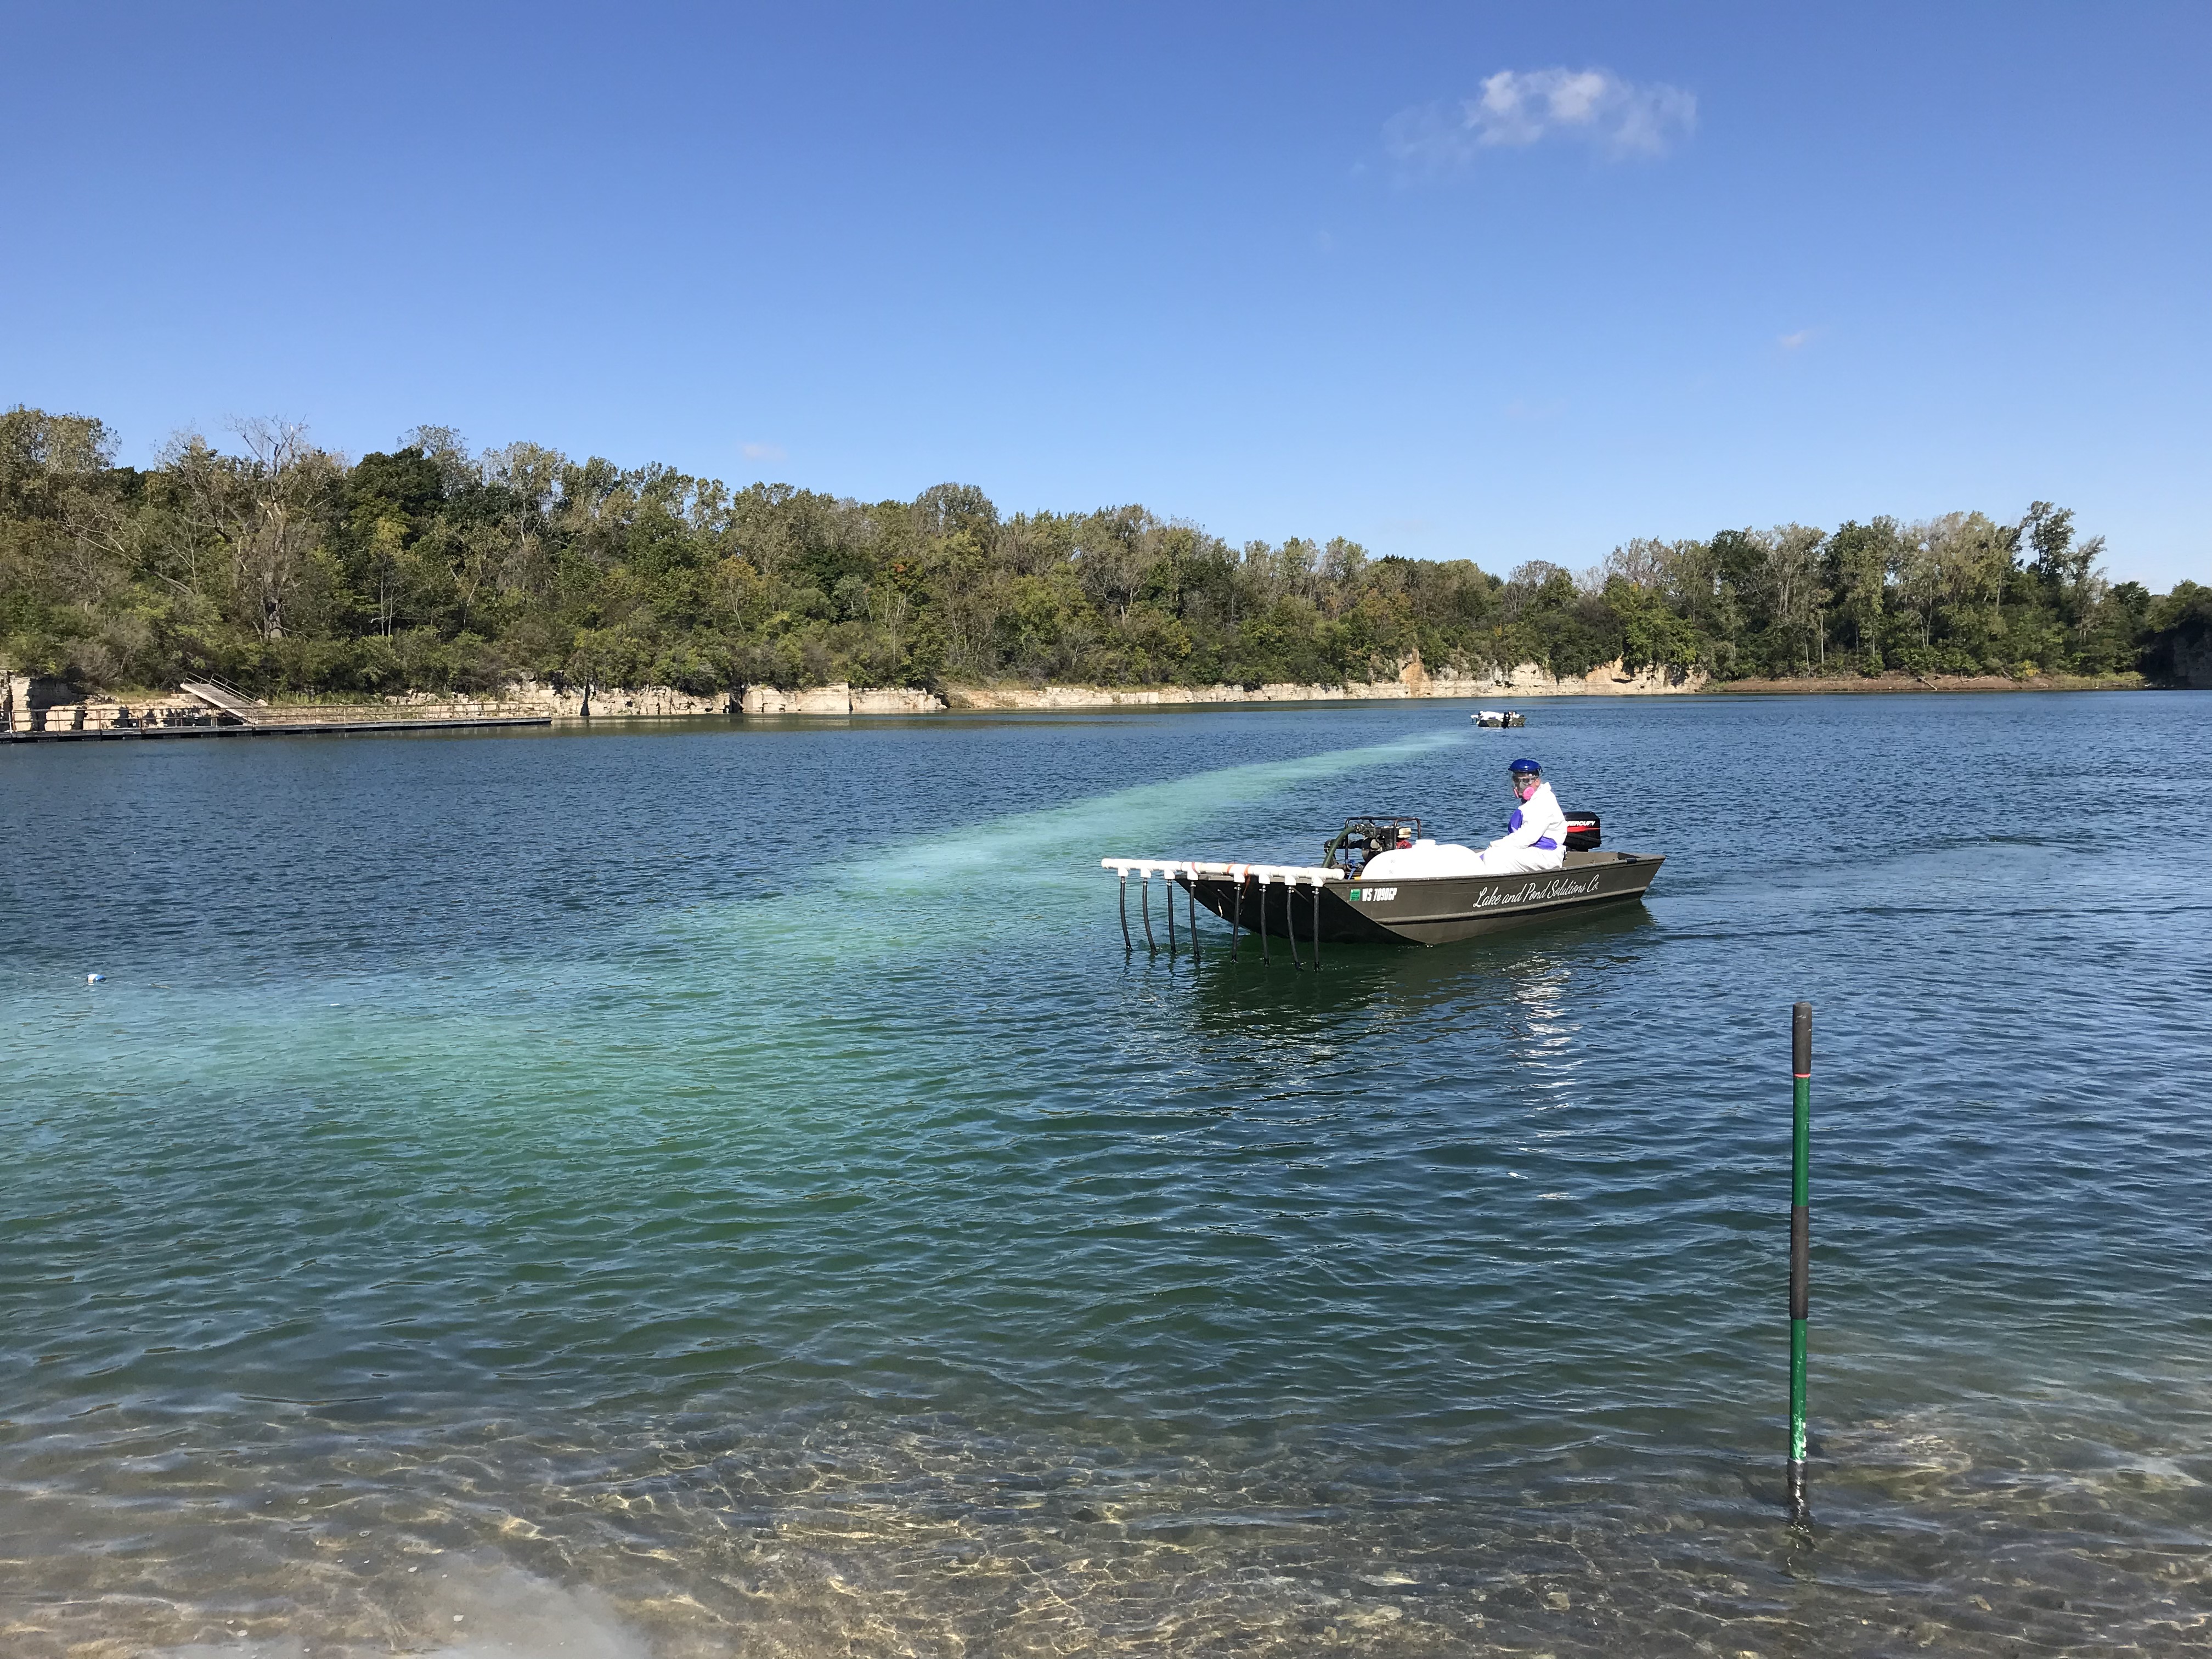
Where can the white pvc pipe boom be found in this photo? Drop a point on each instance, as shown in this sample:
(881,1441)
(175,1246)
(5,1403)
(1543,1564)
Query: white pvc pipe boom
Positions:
(1291,875)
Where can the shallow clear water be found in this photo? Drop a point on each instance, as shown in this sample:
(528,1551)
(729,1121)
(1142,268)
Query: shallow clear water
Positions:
(724,1190)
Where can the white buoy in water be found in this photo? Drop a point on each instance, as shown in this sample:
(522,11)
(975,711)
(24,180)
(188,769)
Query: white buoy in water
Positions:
(94,979)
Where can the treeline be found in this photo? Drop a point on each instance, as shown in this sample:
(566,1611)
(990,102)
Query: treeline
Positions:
(282,566)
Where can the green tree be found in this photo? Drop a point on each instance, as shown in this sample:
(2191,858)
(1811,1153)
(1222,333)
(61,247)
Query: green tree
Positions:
(427,565)
(1860,558)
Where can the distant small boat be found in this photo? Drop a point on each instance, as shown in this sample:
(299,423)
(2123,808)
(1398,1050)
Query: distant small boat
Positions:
(1497,717)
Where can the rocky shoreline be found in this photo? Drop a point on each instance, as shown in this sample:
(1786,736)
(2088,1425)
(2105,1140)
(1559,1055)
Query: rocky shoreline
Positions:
(1821,685)
(1413,681)
(27,705)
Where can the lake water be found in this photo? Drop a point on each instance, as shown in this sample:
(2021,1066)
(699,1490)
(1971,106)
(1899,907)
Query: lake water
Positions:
(724,1190)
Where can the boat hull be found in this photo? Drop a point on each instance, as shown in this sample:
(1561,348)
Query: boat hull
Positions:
(1429,909)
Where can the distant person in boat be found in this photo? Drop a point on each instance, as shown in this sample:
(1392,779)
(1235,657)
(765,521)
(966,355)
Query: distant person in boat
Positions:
(1535,839)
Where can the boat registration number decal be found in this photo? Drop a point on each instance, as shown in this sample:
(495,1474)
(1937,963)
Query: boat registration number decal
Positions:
(1374,895)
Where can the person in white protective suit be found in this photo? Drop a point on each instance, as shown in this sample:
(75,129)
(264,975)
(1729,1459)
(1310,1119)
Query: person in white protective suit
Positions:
(1535,839)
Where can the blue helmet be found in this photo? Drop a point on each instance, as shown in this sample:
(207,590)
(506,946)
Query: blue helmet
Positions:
(1524,764)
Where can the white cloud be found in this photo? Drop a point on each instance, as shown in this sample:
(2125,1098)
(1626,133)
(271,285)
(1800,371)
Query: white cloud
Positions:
(1791,342)
(1519,107)
(762,451)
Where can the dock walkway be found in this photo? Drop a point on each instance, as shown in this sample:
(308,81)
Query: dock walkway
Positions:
(267,728)
(227,699)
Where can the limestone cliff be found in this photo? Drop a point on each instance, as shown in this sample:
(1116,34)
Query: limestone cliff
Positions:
(1527,679)
(27,704)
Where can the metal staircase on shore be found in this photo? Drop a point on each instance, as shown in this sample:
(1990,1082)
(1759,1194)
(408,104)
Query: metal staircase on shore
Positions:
(226,699)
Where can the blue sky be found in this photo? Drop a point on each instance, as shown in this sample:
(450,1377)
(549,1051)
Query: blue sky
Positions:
(1498,282)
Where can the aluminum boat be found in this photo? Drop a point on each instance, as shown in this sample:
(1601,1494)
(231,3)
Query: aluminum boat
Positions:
(1331,903)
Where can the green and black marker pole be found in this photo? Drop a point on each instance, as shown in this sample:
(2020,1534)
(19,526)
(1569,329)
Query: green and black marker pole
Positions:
(1801,1246)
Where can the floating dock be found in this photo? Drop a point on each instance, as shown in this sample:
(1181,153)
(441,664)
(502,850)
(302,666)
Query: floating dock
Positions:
(268,729)
(216,710)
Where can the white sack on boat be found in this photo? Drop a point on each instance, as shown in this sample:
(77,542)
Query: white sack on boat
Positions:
(1425,858)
